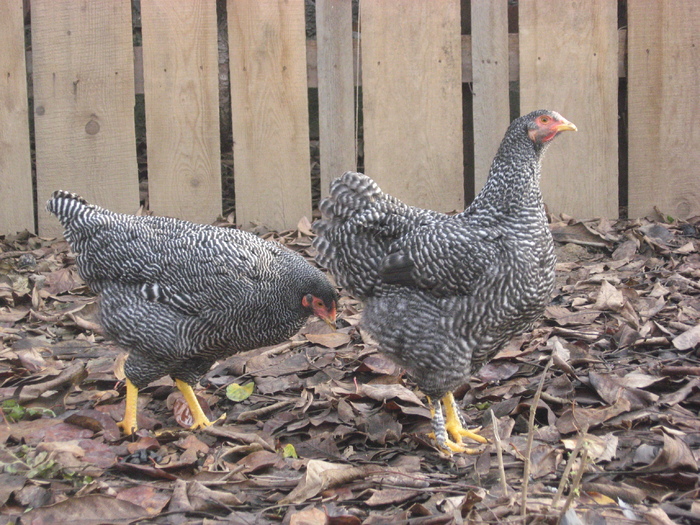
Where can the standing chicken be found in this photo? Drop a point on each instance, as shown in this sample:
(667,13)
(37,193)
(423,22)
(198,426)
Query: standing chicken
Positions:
(444,293)
(180,295)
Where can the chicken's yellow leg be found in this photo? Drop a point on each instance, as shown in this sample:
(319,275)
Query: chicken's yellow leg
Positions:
(453,428)
(128,424)
(200,420)
(453,422)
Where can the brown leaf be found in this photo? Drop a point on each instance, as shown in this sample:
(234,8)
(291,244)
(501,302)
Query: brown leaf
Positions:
(609,298)
(204,499)
(321,475)
(304,227)
(93,509)
(391,496)
(575,418)
(97,422)
(9,483)
(379,365)
(259,460)
(145,496)
(687,339)
(97,454)
(182,413)
(384,392)
(62,280)
(148,470)
(610,389)
(657,516)
(13,315)
(312,516)
(675,455)
(329,340)
(383,427)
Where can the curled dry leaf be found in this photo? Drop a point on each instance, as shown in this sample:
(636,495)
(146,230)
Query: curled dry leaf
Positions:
(609,298)
(321,475)
(675,455)
(688,339)
(329,340)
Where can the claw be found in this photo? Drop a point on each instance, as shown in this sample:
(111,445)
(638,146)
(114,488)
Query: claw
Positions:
(200,419)
(451,427)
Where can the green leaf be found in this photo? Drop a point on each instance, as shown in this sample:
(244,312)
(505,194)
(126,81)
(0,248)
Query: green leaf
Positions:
(289,451)
(13,410)
(236,392)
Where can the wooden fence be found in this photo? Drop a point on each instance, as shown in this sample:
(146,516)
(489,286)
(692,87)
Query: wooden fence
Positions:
(415,62)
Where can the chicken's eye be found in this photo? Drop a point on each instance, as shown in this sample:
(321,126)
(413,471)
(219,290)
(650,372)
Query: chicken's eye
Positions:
(544,120)
(318,303)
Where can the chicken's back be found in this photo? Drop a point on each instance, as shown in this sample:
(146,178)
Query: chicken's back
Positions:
(359,225)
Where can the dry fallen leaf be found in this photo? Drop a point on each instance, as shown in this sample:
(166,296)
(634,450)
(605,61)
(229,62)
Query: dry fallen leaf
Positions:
(329,340)
(609,298)
(687,339)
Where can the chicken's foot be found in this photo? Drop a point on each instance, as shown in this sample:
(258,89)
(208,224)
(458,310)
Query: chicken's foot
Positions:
(448,432)
(128,424)
(200,419)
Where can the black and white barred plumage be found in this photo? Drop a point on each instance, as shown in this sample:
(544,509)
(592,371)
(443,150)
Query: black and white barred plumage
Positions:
(180,295)
(444,293)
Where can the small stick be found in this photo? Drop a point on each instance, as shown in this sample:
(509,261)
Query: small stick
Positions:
(499,454)
(575,486)
(259,412)
(569,466)
(680,371)
(531,437)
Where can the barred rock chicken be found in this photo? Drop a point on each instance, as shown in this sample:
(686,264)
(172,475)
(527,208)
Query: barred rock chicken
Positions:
(180,295)
(444,293)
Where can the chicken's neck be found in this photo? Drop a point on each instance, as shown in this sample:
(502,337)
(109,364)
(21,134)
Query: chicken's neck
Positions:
(513,184)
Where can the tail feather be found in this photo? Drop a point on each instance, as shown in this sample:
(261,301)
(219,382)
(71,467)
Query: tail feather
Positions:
(359,224)
(76,215)
(64,204)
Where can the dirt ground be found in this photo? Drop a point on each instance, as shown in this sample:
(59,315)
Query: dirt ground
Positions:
(325,430)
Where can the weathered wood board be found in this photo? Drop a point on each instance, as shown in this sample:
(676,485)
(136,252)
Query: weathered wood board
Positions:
(180,67)
(664,113)
(16,197)
(568,63)
(336,92)
(490,87)
(412,100)
(270,111)
(84,103)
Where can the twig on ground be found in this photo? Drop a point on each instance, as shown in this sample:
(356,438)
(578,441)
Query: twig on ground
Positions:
(569,465)
(531,437)
(575,485)
(260,412)
(499,454)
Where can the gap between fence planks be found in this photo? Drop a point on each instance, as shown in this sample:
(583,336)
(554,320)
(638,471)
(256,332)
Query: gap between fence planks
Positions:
(16,198)
(663,93)
(412,100)
(491,88)
(181,75)
(270,117)
(84,104)
(336,94)
(568,63)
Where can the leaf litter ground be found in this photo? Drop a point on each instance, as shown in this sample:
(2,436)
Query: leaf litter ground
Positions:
(323,429)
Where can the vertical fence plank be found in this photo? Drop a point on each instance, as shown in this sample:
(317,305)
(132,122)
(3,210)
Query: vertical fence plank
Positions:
(181,71)
(412,100)
(568,63)
(663,93)
(16,198)
(270,111)
(491,100)
(336,108)
(84,103)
